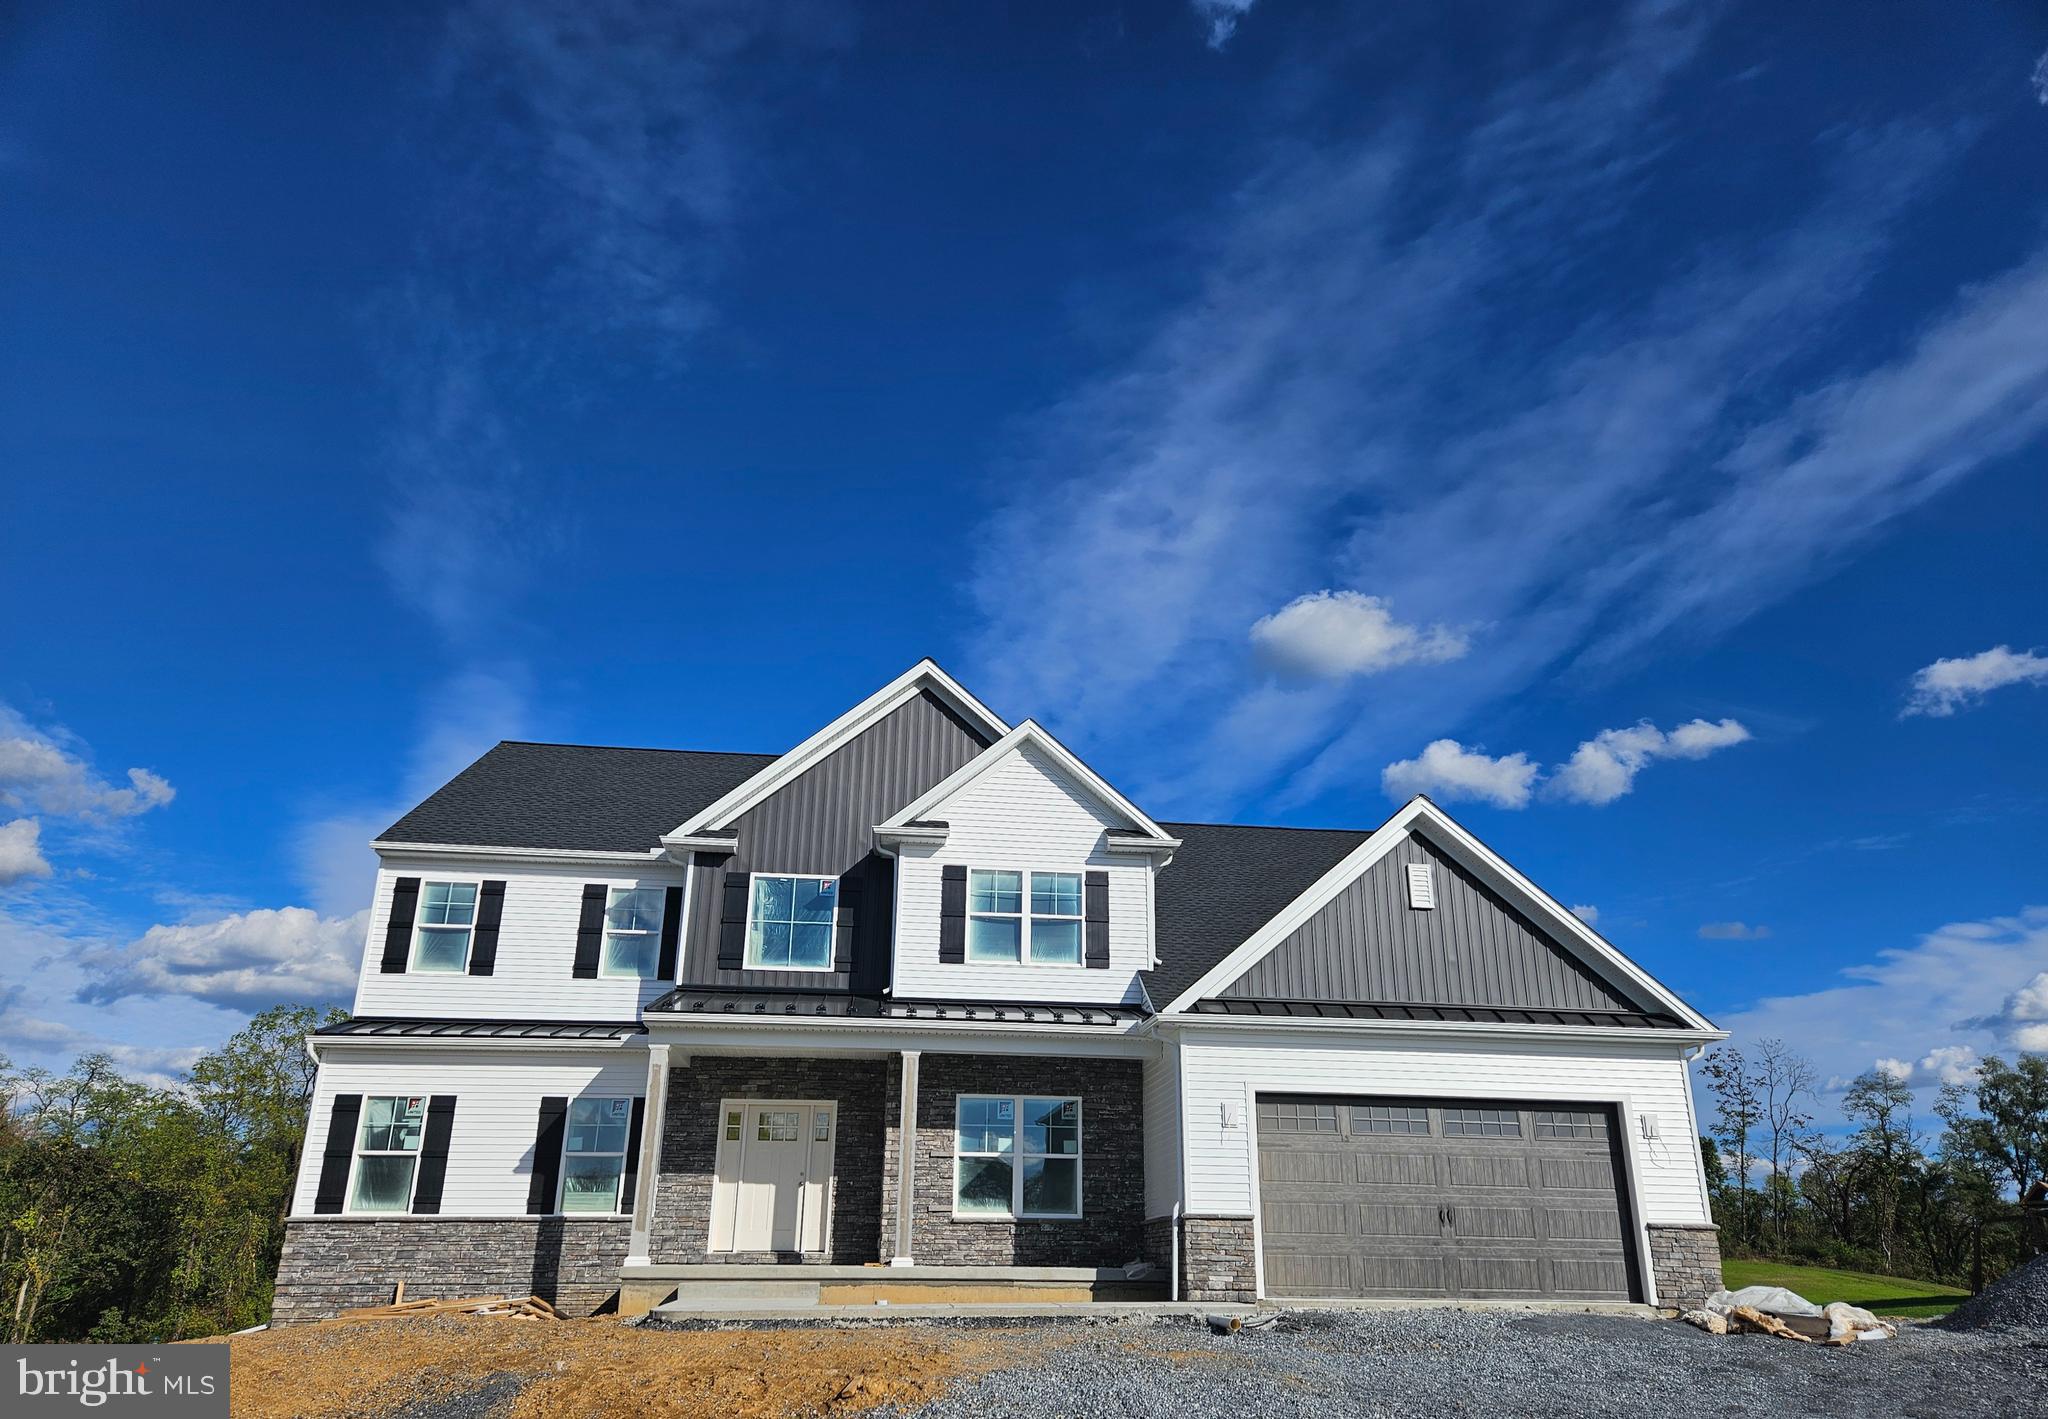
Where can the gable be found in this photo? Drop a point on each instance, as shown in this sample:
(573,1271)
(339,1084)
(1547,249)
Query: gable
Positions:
(1474,948)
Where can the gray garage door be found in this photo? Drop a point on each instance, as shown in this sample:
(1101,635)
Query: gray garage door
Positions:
(1439,1197)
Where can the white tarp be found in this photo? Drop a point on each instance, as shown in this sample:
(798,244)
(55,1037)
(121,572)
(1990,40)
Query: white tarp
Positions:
(1775,1299)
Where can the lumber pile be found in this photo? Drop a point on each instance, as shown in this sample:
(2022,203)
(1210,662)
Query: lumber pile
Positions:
(523,1307)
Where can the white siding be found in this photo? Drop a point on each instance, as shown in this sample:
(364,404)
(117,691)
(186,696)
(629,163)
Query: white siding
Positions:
(1162,1131)
(497,1111)
(1648,1079)
(536,949)
(1023,813)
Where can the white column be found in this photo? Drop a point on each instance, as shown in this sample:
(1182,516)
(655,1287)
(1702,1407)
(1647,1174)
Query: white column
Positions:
(656,1115)
(906,1158)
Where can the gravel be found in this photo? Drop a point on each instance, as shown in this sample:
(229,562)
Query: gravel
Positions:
(1439,1363)
(2017,1299)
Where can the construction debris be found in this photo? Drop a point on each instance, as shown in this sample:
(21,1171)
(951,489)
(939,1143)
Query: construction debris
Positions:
(524,1307)
(1773,1310)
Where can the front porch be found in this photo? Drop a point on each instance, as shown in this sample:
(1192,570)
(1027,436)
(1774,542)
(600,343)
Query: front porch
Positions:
(783,1178)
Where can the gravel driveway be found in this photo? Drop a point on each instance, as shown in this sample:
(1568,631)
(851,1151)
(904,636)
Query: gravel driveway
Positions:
(1502,1365)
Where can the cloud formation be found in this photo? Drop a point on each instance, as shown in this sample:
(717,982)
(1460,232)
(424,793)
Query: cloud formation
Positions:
(2021,1020)
(21,853)
(1940,689)
(246,960)
(1588,914)
(1732,931)
(48,772)
(1447,770)
(1220,18)
(1604,767)
(1331,634)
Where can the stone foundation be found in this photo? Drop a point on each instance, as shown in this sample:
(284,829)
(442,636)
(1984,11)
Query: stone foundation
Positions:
(331,1263)
(680,1229)
(1109,1231)
(1687,1263)
(1218,1259)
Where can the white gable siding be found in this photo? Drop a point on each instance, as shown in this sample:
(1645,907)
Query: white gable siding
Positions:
(1162,1131)
(1023,813)
(1646,1079)
(497,1111)
(536,949)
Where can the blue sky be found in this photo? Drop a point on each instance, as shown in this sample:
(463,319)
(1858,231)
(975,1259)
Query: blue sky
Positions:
(1605,418)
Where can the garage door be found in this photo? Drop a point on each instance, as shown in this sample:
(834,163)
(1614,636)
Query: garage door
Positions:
(1439,1197)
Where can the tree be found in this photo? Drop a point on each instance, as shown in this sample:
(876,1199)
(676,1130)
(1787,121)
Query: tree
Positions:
(1885,1148)
(2006,1139)
(1784,1080)
(1737,1108)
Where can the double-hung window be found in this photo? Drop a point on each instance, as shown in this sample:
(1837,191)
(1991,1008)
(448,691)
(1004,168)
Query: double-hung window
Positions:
(1015,917)
(594,1154)
(387,1153)
(790,921)
(1016,1156)
(632,933)
(447,914)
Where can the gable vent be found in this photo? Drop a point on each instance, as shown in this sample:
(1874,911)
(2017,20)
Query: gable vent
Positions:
(1421,887)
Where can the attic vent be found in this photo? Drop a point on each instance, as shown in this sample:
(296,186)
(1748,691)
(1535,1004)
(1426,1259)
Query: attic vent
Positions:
(1421,887)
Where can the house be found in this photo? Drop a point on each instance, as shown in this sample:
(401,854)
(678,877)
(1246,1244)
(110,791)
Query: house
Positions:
(925,992)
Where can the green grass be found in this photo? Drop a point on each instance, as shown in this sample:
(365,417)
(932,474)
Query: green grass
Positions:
(1884,1295)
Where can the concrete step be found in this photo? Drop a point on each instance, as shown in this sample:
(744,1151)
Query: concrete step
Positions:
(1015,1310)
(747,1289)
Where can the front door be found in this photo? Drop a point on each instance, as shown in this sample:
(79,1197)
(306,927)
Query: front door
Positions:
(774,1176)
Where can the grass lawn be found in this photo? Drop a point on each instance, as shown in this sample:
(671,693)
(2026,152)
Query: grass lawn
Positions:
(1884,1295)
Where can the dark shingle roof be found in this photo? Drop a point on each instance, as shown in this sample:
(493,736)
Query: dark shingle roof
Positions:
(574,796)
(1224,883)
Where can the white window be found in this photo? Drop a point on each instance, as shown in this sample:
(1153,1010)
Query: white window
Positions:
(632,933)
(594,1154)
(1008,924)
(1016,1157)
(387,1153)
(441,940)
(790,921)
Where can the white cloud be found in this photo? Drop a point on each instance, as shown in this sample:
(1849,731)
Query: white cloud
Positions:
(247,960)
(2022,1018)
(1588,914)
(1689,444)
(161,1066)
(1220,17)
(45,770)
(2040,79)
(1732,931)
(1946,686)
(1961,991)
(1604,767)
(1448,770)
(1330,634)
(21,853)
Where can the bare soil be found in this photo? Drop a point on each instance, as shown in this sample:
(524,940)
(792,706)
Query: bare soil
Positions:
(536,1369)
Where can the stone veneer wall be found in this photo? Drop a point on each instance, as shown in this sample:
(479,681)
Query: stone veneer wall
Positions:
(680,1228)
(1109,1231)
(1216,1260)
(330,1263)
(1687,1261)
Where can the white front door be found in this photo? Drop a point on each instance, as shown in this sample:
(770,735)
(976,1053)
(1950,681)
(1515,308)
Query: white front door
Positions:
(774,1182)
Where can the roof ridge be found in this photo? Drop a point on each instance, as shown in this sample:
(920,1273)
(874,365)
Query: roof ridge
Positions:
(637,748)
(1262,827)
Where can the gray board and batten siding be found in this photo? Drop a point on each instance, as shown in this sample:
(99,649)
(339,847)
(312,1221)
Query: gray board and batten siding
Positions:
(1472,948)
(822,823)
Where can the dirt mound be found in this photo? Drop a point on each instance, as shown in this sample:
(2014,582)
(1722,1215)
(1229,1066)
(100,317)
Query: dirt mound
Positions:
(2018,1299)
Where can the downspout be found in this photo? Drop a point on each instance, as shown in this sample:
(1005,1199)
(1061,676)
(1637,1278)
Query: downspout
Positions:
(1173,1255)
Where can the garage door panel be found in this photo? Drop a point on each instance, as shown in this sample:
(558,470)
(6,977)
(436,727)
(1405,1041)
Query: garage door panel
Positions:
(1496,1199)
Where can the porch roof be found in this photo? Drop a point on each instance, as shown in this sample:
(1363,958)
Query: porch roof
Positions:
(390,1027)
(687,1001)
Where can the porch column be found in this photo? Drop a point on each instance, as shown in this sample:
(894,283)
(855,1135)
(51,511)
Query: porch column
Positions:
(906,1158)
(656,1114)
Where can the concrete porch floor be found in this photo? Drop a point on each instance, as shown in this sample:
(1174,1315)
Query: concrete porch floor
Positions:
(709,1289)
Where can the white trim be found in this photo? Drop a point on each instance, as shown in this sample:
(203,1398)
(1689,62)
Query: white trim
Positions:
(923,675)
(1029,732)
(682,848)
(875,1038)
(356,1153)
(319,1045)
(419,904)
(747,961)
(654,1115)
(1337,1029)
(625,1151)
(1479,859)
(605,931)
(725,1191)
(1024,916)
(1018,1156)
(566,856)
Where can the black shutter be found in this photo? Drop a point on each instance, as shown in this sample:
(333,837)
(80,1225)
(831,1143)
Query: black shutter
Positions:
(952,915)
(547,1156)
(339,1152)
(589,931)
(405,904)
(631,1180)
(732,921)
(848,921)
(1095,920)
(671,932)
(483,950)
(426,1189)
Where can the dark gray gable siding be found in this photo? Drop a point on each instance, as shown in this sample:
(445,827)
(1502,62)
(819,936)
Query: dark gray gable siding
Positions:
(824,822)
(1473,949)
